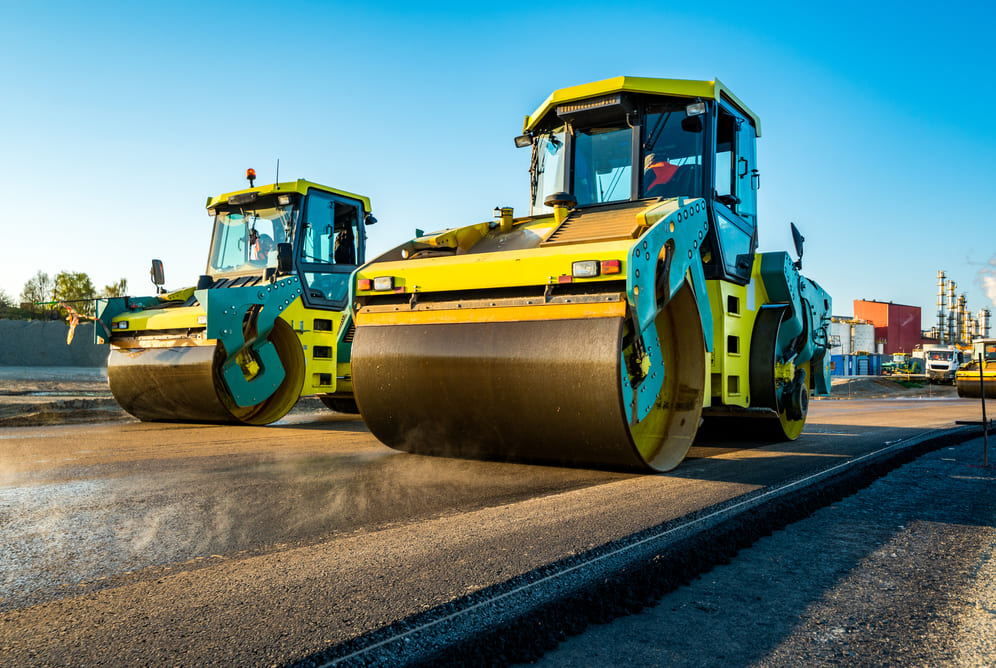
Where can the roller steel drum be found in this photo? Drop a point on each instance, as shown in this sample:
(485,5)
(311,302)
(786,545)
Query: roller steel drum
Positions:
(534,390)
(970,387)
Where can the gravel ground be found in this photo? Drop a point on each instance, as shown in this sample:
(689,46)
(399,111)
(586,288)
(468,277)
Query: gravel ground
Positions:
(900,573)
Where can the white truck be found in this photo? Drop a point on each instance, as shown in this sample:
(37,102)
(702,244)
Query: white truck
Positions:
(942,362)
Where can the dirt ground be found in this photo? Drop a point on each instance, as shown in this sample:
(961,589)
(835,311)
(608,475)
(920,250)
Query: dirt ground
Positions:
(885,387)
(33,396)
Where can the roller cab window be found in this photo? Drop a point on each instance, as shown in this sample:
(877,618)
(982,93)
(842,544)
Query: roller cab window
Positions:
(245,236)
(330,247)
(672,152)
(735,183)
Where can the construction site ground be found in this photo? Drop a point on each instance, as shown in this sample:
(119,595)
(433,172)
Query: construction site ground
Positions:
(905,573)
(65,395)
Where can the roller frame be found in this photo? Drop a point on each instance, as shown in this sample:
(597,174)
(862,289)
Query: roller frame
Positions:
(802,335)
(226,313)
(656,269)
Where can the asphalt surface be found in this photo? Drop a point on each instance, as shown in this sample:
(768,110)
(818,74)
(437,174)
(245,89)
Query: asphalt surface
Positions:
(900,573)
(133,543)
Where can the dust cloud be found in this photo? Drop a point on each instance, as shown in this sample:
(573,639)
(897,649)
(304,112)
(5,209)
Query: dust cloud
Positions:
(60,538)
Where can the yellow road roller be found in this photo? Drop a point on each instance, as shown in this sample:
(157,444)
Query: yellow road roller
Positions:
(979,374)
(266,323)
(603,327)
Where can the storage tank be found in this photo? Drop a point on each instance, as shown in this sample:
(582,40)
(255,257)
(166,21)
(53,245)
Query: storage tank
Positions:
(842,330)
(862,337)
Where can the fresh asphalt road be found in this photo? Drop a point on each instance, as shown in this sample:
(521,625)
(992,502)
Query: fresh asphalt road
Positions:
(137,543)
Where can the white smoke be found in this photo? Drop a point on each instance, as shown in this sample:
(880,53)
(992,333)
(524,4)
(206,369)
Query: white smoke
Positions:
(986,278)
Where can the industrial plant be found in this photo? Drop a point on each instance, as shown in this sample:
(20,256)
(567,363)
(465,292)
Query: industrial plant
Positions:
(884,337)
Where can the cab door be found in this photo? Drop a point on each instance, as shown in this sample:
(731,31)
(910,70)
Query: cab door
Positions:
(329,248)
(735,183)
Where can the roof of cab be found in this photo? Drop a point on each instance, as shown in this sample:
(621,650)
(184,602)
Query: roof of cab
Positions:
(680,87)
(300,186)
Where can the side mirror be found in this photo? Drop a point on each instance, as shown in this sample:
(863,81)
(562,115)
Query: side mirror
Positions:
(158,276)
(797,239)
(369,219)
(691,124)
(285,258)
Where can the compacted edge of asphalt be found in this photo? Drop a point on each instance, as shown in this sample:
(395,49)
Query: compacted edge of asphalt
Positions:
(519,620)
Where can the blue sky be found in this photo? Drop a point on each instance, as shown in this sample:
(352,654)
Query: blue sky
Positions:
(120,119)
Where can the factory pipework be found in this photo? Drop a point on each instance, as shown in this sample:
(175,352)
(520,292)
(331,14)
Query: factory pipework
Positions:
(951,312)
(941,281)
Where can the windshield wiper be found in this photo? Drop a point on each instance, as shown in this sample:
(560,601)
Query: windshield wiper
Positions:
(655,133)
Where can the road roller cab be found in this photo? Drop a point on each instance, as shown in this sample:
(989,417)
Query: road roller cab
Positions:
(266,322)
(597,329)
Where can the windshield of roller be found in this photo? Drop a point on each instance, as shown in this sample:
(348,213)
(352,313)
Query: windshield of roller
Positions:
(245,237)
(603,164)
(547,168)
(670,155)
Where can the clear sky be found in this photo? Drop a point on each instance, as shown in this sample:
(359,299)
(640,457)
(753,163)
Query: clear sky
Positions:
(120,119)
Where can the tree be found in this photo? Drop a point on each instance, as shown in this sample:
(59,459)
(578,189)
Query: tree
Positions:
(119,289)
(72,286)
(5,300)
(37,289)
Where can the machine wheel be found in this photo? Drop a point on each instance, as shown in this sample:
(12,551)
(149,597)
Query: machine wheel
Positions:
(536,390)
(183,383)
(339,404)
(790,400)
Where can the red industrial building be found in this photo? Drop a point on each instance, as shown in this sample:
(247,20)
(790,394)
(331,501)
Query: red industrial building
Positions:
(897,326)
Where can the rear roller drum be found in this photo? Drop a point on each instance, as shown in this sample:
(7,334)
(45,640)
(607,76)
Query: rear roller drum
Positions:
(790,399)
